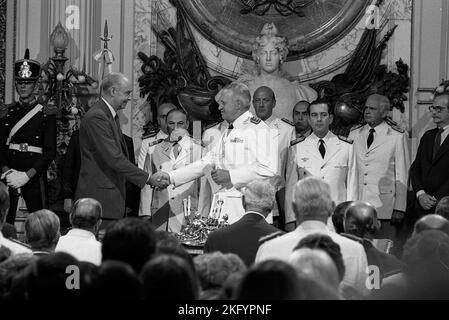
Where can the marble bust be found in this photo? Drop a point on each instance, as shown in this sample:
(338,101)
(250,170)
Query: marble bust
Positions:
(269,52)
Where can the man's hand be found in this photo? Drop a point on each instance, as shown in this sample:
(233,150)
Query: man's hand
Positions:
(68,205)
(160,179)
(396,218)
(427,201)
(221,177)
(17,179)
(4,174)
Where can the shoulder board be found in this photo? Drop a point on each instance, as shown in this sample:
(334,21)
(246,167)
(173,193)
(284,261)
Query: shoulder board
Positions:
(347,140)
(149,135)
(211,125)
(271,236)
(155,142)
(255,120)
(19,243)
(357,126)
(50,110)
(288,121)
(297,140)
(395,127)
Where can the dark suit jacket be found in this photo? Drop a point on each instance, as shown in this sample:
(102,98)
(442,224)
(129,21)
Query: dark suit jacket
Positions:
(105,167)
(241,237)
(429,175)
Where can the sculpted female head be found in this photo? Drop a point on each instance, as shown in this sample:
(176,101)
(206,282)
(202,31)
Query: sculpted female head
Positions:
(269,49)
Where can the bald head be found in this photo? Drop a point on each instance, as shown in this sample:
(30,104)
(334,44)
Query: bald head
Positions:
(315,264)
(361,219)
(264,102)
(432,222)
(376,109)
(86,214)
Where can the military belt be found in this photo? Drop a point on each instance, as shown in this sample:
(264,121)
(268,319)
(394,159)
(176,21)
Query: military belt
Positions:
(24,147)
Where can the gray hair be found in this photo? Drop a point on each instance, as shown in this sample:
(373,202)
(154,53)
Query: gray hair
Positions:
(260,194)
(42,229)
(85,213)
(312,200)
(113,79)
(240,92)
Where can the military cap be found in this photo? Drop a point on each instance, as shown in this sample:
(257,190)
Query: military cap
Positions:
(26,69)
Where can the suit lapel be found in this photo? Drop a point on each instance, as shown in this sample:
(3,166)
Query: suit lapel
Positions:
(443,149)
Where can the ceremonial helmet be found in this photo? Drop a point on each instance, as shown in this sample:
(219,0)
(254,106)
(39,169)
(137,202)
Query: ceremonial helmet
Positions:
(26,69)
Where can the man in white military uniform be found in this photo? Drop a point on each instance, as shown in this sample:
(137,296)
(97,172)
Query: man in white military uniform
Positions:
(212,135)
(245,153)
(324,155)
(177,151)
(264,101)
(148,144)
(383,162)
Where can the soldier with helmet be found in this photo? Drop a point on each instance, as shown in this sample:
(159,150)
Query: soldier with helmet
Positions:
(27,140)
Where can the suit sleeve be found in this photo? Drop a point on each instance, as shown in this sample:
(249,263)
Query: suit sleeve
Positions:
(146,194)
(352,180)
(48,145)
(100,134)
(402,163)
(291,179)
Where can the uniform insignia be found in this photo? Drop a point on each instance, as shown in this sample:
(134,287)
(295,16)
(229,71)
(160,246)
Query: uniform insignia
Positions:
(357,126)
(288,121)
(394,125)
(50,110)
(236,140)
(347,140)
(297,140)
(155,142)
(255,120)
(304,159)
(149,135)
(271,236)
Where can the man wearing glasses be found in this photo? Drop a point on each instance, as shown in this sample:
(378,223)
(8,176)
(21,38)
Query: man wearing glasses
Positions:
(429,172)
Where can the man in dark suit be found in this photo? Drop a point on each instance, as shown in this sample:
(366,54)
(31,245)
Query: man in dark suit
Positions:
(429,172)
(105,165)
(242,237)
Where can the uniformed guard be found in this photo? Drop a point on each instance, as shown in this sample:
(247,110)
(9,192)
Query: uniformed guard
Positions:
(27,140)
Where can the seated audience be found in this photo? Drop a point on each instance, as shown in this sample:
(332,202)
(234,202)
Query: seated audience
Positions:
(15,246)
(213,270)
(361,225)
(9,231)
(10,268)
(269,280)
(42,231)
(432,222)
(312,206)
(339,215)
(242,237)
(130,240)
(168,277)
(116,281)
(443,207)
(80,241)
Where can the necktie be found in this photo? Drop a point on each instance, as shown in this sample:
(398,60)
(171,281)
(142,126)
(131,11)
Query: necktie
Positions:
(230,129)
(437,142)
(370,140)
(176,149)
(322,149)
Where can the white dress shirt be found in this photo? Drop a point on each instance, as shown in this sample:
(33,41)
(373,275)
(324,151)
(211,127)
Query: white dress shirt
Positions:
(82,245)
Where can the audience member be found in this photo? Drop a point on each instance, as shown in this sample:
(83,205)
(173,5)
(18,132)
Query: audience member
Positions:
(42,231)
(130,240)
(80,241)
(443,207)
(242,237)
(315,289)
(10,268)
(432,222)
(269,280)
(168,277)
(338,216)
(312,206)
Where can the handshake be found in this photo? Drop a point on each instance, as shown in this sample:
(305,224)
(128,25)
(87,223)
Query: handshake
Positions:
(159,180)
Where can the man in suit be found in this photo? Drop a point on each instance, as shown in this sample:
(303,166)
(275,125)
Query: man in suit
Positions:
(176,151)
(264,102)
(27,141)
(242,237)
(105,165)
(301,119)
(323,155)
(246,152)
(382,161)
(429,172)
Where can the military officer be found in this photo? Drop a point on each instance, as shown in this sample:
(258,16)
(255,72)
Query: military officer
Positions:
(212,135)
(264,101)
(245,153)
(301,119)
(27,140)
(176,151)
(324,155)
(148,144)
(382,161)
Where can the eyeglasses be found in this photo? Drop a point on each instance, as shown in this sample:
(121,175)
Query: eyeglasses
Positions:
(436,109)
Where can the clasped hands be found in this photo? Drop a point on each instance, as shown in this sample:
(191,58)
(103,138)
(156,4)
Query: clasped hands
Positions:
(160,180)
(427,201)
(15,179)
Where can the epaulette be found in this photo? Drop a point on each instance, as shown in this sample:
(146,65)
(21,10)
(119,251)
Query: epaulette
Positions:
(19,243)
(50,110)
(297,140)
(155,142)
(211,125)
(394,125)
(357,126)
(271,236)
(149,135)
(347,140)
(255,120)
(288,121)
